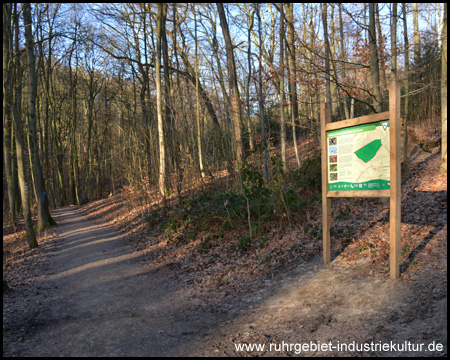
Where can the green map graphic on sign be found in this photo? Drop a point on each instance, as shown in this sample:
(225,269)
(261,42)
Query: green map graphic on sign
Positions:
(366,153)
(359,157)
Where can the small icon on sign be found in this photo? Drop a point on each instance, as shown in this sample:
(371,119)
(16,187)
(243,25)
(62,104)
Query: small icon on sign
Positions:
(384,125)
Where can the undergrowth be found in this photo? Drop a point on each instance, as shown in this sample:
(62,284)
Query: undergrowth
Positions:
(213,213)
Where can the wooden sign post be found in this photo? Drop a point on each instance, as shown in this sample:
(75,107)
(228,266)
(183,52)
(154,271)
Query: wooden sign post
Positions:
(361,158)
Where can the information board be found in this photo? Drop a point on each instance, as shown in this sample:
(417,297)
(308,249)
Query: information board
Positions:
(358,157)
(361,158)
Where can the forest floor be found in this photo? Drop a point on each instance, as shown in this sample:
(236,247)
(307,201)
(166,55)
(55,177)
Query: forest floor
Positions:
(104,282)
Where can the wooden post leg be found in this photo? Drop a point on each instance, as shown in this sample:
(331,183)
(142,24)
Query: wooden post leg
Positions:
(395,245)
(395,174)
(326,202)
(326,218)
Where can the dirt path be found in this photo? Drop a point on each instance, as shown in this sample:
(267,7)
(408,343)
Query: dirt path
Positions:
(101,304)
(337,307)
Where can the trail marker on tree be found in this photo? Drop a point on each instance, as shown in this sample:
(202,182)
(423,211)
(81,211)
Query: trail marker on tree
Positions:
(361,158)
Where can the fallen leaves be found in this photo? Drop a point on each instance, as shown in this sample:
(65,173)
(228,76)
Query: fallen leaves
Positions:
(361,229)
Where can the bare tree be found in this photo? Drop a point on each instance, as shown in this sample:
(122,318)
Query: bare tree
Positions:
(249,78)
(406,103)
(290,47)
(160,20)
(415,7)
(19,137)
(343,57)
(394,43)
(374,68)
(261,96)
(44,218)
(235,100)
(199,137)
(327,57)
(7,128)
(281,75)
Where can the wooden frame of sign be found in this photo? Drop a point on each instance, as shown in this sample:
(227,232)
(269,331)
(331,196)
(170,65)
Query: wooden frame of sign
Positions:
(394,193)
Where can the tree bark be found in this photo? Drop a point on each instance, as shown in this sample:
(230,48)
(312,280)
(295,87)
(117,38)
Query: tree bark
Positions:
(44,218)
(327,59)
(406,103)
(415,7)
(7,89)
(199,137)
(381,49)
(282,120)
(374,67)
(23,185)
(249,56)
(235,100)
(171,150)
(394,44)
(261,97)
(292,75)
(161,20)
(343,58)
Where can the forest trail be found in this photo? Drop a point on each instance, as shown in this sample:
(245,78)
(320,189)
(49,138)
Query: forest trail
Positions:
(102,304)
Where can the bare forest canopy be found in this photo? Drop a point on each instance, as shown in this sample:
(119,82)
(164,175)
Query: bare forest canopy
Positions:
(101,96)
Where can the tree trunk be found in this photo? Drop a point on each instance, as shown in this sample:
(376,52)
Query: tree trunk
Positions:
(161,20)
(249,56)
(394,44)
(327,59)
(292,75)
(440,10)
(381,49)
(261,99)
(215,49)
(235,101)
(73,79)
(415,7)
(374,68)
(343,58)
(282,121)
(23,185)
(406,103)
(170,150)
(332,39)
(44,218)
(7,42)
(199,135)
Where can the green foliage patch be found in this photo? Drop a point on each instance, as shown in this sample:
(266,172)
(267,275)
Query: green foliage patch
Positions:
(211,214)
